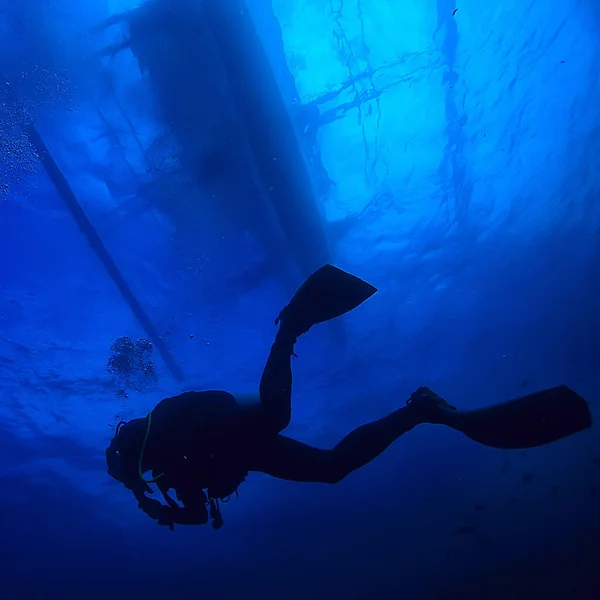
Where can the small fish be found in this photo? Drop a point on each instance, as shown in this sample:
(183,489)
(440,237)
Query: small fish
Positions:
(479,507)
(513,499)
(466,530)
(554,489)
(528,478)
(505,466)
(524,383)
(454,11)
(596,461)
(593,492)
(523,454)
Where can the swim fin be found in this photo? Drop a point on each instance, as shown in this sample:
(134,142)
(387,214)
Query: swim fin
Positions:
(328,293)
(534,420)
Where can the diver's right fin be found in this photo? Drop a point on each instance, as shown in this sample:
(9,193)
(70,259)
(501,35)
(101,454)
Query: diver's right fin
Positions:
(328,293)
(530,421)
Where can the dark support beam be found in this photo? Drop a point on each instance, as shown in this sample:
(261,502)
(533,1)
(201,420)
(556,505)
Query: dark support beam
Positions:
(89,231)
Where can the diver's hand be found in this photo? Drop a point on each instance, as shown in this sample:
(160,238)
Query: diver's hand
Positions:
(157,511)
(166,518)
(140,491)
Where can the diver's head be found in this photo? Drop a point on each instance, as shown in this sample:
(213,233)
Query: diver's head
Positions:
(123,453)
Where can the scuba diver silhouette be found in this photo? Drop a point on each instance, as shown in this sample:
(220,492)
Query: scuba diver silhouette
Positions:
(202,445)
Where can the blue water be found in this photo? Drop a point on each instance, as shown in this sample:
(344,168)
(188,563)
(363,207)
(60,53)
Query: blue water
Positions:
(465,155)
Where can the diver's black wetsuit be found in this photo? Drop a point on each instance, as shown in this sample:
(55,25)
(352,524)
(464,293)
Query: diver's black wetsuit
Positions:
(204,441)
(249,439)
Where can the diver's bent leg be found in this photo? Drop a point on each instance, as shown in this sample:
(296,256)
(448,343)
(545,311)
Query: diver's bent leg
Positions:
(292,460)
(328,293)
(276,383)
(368,441)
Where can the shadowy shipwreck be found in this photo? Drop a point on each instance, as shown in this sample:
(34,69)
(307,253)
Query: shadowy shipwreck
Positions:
(217,94)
